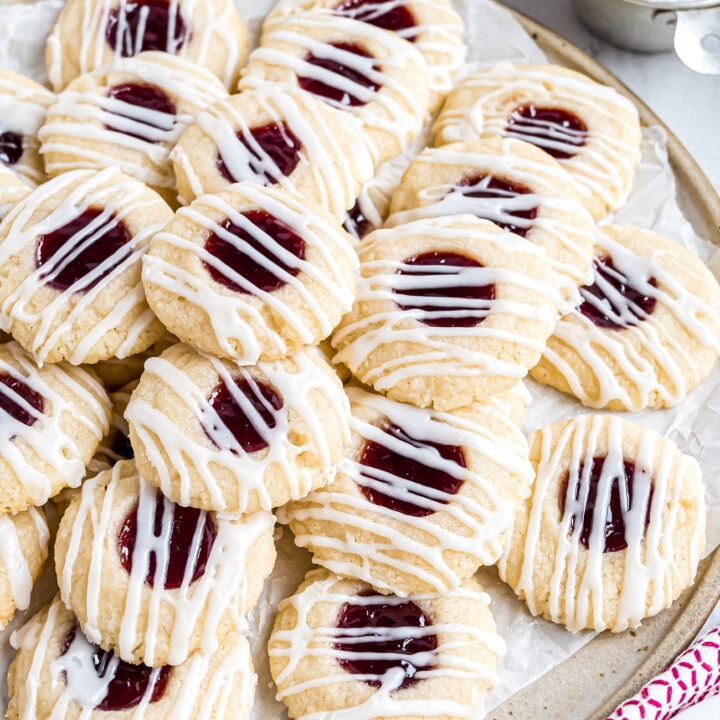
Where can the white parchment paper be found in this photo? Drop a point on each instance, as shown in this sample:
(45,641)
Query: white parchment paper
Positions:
(534,645)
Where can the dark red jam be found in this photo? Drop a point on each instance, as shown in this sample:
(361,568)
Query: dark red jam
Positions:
(331,92)
(621,501)
(376,614)
(12,407)
(11,147)
(128,684)
(74,250)
(444,313)
(249,425)
(159,21)
(503,214)
(414,502)
(392,16)
(185,523)
(243,264)
(274,153)
(611,301)
(147,97)
(356,223)
(558,132)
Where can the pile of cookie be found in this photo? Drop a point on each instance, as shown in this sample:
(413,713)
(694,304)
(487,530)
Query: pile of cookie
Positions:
(233,292)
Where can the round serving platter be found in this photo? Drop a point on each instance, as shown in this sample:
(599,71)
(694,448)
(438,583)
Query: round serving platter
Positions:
(611,668)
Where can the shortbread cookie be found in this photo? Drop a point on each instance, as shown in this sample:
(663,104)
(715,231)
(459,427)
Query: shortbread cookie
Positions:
(59,674)
(23,104)
(128,115)
(422,497)
(154,581)
(514,184)
(253,273)
(12,190)
(614,528)
(24,538)
(592,130)
(338,649)
(70,266)
(448,310)
(274,136)
(376,77)
(218,436)
(432,26)
(646,330)
(52,420)
(90,34)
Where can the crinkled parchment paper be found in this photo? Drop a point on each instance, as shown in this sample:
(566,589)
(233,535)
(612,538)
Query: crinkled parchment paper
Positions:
(534,645)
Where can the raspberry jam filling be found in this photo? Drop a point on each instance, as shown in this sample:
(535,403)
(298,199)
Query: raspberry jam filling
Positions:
(505,209)
(391,15)
(381,619)
(75,250)
(558,132)
(611,301)
(186,523)
(356,223)
(621,501)
(128,684)
(440,308)
(12,407)
(334,92)
(404,469)
(264,274)
(248,418)
(146,97)
(146,25)
(274,152)
(11,147)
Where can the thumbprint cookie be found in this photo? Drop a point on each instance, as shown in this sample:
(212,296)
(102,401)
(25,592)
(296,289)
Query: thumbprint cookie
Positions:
(422,497)
(151,580)
(70,267)
(340,649)
(589,128)
(613,529)
(12,190)
(646,329)
(448,310)
(128,115)
(219,436)
(90,34)
(273,136)
(52,419)
(252,274)
(59,674)
(369,73)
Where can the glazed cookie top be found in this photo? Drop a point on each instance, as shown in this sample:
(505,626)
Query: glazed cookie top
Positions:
(12,190)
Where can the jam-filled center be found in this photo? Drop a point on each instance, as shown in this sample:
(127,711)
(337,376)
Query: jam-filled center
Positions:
(152,113)
(11,147)
(346,73)
(179,537)
(265,253)
(272,152)
(438,284)
(125,685)
(387,14)
(612,301)
(615,505)
(93,242)
(558,132)
(370,636)
(247,411)
(413,487)
(141,25)
(14,394)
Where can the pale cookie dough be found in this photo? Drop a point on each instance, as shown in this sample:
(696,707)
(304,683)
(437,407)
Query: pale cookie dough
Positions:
(12,190)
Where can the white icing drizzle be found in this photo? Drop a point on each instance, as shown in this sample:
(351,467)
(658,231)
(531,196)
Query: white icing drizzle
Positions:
(481,524)
(233,318)
(45,436)
(452,659)
(646,584)
(298,388)
(221,588)
(117,196)
(81,117)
